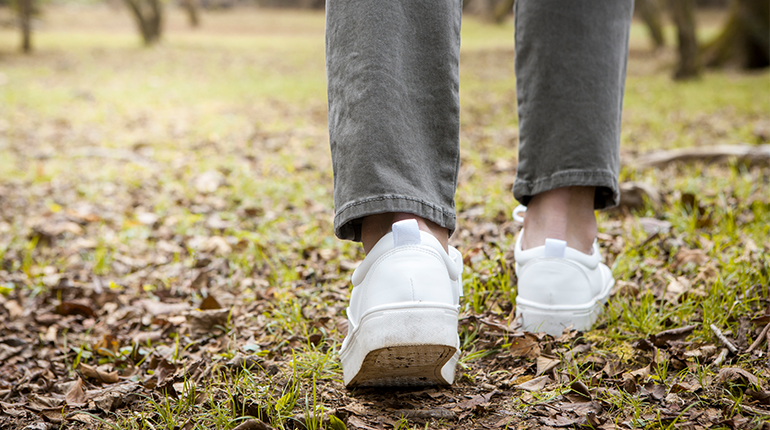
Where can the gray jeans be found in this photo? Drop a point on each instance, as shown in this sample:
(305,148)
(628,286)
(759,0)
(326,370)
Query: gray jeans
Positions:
(394,108)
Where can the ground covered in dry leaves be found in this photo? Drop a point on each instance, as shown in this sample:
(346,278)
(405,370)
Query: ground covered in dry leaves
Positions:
(167,258)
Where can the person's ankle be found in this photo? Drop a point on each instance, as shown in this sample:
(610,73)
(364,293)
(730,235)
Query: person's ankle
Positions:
(562,213)
(374,227)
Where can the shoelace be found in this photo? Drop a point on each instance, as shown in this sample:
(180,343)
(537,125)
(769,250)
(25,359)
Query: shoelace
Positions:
(519,210)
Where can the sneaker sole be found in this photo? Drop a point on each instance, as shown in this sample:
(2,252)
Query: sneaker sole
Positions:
(405,346)
(552,320)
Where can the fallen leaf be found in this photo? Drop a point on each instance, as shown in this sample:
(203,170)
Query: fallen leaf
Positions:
(358,423)
(474,401)
(525,345)
(252,424)
(675,288)
(544,364)
(736,375)
(160,308)
(76,308)
(13,308)
(426,414)
(685,256)
(653,225)
(98,375)
(76,396)
(535,384)
(201,322)
(210,303)
(581,388)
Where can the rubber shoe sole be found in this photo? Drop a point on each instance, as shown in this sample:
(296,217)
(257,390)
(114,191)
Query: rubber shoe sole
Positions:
(538,318)
(403,346)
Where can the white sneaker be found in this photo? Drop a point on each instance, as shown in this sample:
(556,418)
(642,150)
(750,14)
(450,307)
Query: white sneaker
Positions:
(560,287)
(403,313)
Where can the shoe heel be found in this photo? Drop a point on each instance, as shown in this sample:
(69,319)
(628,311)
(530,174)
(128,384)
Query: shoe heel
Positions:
(411,346)
(554,322)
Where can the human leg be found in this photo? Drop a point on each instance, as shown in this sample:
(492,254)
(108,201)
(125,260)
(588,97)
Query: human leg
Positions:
(570,67)
(392,70)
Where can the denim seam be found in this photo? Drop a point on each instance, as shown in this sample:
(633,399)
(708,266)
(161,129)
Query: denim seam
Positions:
(382,198)
(570,173)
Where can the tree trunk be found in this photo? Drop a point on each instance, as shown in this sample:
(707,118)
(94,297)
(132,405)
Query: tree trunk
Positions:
(745,39)
(149,18)
(652,17)
(192,13)
(683,13)
(502,10)
(25,17)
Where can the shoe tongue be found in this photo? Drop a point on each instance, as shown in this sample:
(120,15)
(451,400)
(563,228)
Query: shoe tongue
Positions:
(406,232)
(555,248)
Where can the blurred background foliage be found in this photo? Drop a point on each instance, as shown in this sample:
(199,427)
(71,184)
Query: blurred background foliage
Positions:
(743,42)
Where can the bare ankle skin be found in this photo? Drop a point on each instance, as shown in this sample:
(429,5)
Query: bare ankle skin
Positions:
(374,227)
(562,213)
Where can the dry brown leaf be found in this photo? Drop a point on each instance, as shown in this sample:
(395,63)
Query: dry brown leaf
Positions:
(426,414)
(210,303)
(625,289)
(559,420)
(544,364)
(76,396)
(13,308)
(205,321)
(581,388)
(160,308)
(39,403)
(534,384)
(98,375)
(633,195)
(474,401)
(654,225)
(76,307)
(675,288)
(686,256)
(357,423)
(737,375)
(252,424)
(525,345)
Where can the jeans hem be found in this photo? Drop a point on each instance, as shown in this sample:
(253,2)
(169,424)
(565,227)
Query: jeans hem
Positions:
(606,183)
(347,224)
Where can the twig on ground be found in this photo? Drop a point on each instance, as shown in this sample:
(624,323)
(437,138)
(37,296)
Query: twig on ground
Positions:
(721,357)
(759,339)
(724,339)
(749,154)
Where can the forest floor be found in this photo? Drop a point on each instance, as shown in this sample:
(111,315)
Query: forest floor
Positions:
(167,258)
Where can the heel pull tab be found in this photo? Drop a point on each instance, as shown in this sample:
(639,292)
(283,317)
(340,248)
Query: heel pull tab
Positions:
(555,248)
(406,232)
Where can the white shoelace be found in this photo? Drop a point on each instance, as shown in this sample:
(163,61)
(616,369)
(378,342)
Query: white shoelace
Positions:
(519,210)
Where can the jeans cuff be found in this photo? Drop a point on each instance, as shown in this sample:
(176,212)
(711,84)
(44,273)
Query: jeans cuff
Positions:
(347,219)
(606,183)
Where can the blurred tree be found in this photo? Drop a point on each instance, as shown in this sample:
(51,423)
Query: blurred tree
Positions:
(745,39)
(683,13)
(25,11)
(650,10)
(149,18)
(192,12)
(502,10)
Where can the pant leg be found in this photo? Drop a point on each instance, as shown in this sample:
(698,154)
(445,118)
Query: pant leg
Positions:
(570,76)
(392,73)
